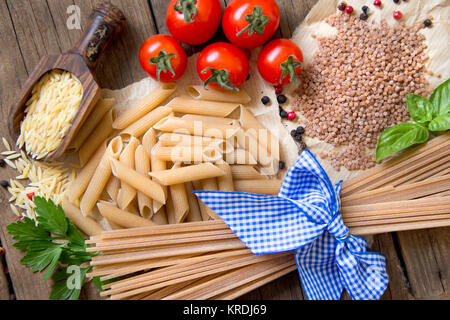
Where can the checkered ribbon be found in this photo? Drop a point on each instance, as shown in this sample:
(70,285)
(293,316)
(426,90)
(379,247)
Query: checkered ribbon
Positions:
(305,217)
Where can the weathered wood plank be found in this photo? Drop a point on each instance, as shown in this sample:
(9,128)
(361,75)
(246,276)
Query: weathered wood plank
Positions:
(423,270)
(285,288)
(4,287)
(13,73)
(440,242)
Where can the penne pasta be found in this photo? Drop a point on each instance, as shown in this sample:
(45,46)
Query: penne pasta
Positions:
(203,208)
(127,193)
(149,141)
(112,188)
(186,174)
(218,120)
(194,213)
(258,152)
(211,94)
(96,138)
(225,183)
(180,201)
(187,153)
(144,106)
(207,108)
(160,217)
(157,165)
(271,187)
(211,185)
(240,157)
(100,177)
(88,225)
(79,185)
(141,126)
(92,121)
(243,172)
(176,139)
(122,218)
(170,210)
(196,128)
(138,181)
(142,163)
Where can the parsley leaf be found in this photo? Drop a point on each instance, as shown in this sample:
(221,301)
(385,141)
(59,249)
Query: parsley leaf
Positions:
(43,254)
(67,283)
(26,232)
(50,216)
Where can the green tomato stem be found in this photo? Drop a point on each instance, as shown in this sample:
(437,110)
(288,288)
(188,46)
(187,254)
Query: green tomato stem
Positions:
(220,77)
(188,8)
(162,62)
(257,22)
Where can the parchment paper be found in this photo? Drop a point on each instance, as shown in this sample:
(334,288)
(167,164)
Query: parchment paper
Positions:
(413,12)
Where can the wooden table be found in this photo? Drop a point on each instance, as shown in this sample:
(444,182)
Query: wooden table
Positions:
(418,262)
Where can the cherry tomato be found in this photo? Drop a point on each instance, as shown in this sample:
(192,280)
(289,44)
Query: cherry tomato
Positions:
(280,62)
(250,23)
(193,21)
(163,58)
(224,66)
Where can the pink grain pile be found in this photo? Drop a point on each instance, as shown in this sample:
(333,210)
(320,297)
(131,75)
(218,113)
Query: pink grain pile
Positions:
(357,85)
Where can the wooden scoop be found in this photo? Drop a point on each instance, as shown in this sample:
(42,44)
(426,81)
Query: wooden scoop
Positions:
(105,23)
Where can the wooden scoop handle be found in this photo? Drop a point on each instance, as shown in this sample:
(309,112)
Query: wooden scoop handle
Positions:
(105,23)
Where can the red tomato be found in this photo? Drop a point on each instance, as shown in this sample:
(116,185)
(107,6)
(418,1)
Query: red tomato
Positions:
(280,62)
(224,66)
(193,21)
(250,23)
(163,58)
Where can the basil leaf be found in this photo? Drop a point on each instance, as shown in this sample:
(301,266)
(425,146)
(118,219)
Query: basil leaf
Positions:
(400,137)
(420,108)
(441,123)
(440,98)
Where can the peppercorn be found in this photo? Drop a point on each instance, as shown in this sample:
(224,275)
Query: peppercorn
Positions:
(283,114)
(349,9)
(397,15)
(365,9)
(5,184)
(377,3)
(265,100)
(363,16)
(278,89)
(300,130)
(303,146)
(293,133)
(281,99)
(281,165)
(342,6)
(298,138)
(2,163)
(291,115)
(396,1)
(427,23)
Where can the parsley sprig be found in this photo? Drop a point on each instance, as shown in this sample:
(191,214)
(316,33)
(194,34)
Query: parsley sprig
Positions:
(53,242)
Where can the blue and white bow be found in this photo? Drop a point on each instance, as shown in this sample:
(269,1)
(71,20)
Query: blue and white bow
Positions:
(305,217)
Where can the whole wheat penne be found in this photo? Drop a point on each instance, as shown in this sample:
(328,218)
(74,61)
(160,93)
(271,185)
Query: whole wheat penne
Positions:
(199,107)
(243,172)
(187,153)
(138,181)
(258,186)
(96,138)
(79,185)
(160,217)
(194,213)
(88,225)
(225,183)
(92,121)
(197,128)
(127,193)
(186,174)
(122,218)
(100,177)
(141,126)
(144,106)
(211,94)
(142,163)
(112,188)
(218,120)
(149,140)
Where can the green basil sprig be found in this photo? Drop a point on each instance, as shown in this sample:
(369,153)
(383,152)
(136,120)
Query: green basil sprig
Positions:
(428,114)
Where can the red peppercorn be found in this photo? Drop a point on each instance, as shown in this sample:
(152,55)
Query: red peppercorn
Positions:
(377,3)
(278,90)
(349,9)
(292,115)
(30,196)
(2,251)
(397,15)
(342,6)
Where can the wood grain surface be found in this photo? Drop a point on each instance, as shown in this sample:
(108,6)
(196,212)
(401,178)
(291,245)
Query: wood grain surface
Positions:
(417,261)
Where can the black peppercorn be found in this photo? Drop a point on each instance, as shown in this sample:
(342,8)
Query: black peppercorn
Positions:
(283,114)
(281,99)
(5,184)
(303,145)
(293,133)
(265,100)
(365,9)
(300,130)
(396,1)
(2,163)
(427,23)
(248,77)
(281,165)
(342,6)
(363,16)
(298,138)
